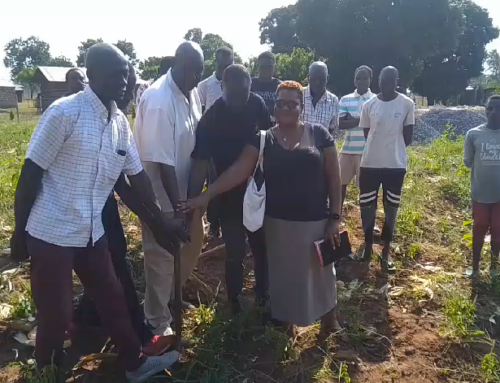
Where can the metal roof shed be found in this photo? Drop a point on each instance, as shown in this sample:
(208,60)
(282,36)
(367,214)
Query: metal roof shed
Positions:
(52,81)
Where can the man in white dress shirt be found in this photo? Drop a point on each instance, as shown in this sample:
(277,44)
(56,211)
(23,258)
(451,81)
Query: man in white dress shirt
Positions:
(210,89)
(165,131)
(320,106)
(78,150)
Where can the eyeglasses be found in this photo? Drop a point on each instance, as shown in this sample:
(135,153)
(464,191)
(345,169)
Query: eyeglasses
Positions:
(290,104)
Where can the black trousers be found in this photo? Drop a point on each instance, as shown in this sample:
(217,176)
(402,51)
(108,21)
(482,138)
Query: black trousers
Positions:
(370,180)
(86,312)
(234,235)
(212,209)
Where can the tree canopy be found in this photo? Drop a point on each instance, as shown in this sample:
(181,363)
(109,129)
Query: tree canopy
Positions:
(447,74)
(209,44)
(82,49)
(148,68)
(493,62)
(25,53)
(294,66)
(411,35)
(61,61)
(279,30)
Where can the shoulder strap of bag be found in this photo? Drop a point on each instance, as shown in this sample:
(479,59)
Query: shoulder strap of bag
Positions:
(260,160)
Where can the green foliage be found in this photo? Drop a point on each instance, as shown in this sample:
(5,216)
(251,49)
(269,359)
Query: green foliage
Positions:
(414,251)
(31,374)
(344,374)
(128,50)
(25,53)
(27,78)
(195,35)
(11,115)
(278,29)
(490,367)
(447,74)
(82,49)
(23,304)
(149,67)
(209,44)
(61,61)
(295,66)
(460,314)
(407,224)
(133,111)
(125,46)
(451,50)
(493,62)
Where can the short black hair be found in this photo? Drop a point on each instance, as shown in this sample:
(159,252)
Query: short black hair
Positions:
(235,72)
(165,64)
(74,70)
(364,67)
(226,51)
(266,55)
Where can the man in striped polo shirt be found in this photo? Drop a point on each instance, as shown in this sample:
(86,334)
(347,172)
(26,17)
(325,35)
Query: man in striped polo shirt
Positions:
(350,112)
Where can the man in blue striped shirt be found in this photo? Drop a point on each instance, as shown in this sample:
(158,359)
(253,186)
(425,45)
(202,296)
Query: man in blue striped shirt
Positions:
(350,112)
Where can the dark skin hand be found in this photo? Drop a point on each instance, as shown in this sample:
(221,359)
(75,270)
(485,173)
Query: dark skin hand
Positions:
(362,81)
(186,73)
(27,190)
(169,182)
(167,233)
(348,122)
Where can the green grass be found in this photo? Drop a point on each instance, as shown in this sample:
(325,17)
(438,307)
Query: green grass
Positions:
(433,228)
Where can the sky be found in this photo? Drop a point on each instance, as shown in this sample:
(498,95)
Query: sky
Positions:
(155,27)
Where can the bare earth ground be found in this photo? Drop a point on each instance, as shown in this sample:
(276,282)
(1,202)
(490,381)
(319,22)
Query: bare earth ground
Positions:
(426,323)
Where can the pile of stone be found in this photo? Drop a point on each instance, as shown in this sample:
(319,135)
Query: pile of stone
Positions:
(433,123)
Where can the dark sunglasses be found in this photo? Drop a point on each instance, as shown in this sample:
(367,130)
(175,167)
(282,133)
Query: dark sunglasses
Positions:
(290,104)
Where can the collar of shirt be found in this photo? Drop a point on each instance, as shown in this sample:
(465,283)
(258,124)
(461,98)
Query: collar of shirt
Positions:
(97,104)
(175,89)
(308,95)
(215,79)
(366,95)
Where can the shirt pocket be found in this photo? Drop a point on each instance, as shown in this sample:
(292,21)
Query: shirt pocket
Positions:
(111,162)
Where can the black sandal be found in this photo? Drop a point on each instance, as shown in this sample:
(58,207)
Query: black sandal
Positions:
(386,265)
(360,257)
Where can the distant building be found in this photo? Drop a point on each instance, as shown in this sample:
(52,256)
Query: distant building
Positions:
(52,81)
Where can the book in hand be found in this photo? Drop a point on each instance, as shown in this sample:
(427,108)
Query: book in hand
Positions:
(327,254)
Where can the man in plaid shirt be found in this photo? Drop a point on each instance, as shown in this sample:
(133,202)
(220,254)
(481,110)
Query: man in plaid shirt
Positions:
(81,146)
(320,105)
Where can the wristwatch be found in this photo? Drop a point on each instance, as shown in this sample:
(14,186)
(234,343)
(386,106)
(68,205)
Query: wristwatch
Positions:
(334,216)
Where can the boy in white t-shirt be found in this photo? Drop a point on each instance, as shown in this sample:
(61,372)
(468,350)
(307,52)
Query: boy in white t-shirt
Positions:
(387,121)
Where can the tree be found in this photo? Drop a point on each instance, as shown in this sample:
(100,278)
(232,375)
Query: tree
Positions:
(209,44)
(446,75)
(194,34)
(251,66)
(27,78)
(295,66)
(61,61)
(128,50)
(279,29)
(401,33)
(29,53)
(493,62)
(149,67)
(82,50)
(125,46)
